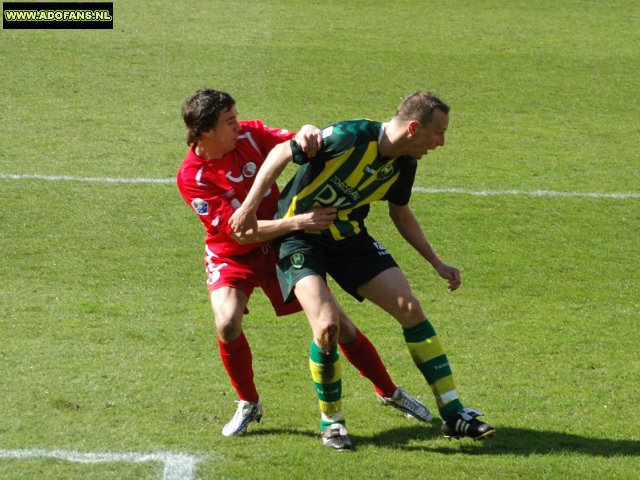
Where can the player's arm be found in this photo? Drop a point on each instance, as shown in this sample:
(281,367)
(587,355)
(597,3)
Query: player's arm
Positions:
(244,219)
(314,219)
(408,226)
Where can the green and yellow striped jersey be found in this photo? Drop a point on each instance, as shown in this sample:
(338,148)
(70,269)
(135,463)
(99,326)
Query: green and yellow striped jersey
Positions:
(348,174)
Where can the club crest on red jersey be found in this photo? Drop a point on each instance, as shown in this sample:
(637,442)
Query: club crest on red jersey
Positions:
(249,170)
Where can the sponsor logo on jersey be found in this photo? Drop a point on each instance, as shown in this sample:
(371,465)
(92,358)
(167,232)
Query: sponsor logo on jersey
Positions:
(346,189)
(297,260)
(237,179)
(249,170)
(230,195)
(200,206)
(329,196)
(343,196)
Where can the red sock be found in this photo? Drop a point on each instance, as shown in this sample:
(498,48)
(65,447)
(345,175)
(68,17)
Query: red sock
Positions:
(236,358)
(363,355)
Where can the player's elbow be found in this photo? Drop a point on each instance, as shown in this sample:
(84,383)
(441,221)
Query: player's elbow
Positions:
(401,215)
(397,220)
(280,156)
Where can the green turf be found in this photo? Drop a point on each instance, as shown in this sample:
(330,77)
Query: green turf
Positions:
(106,335)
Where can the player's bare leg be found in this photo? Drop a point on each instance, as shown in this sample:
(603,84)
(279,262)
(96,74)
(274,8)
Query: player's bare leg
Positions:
(228,306)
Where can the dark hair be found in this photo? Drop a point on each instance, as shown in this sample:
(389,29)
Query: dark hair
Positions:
(420,106)
(202,110)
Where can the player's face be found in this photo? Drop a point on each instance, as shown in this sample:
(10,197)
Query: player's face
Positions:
(222,138)
(430,136)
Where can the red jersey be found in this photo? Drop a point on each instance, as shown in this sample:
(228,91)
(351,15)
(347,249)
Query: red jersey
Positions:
(216,188)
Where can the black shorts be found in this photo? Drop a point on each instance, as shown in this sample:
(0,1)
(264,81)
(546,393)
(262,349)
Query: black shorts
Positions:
(350,262)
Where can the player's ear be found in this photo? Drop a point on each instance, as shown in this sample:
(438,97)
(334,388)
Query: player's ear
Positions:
(412,126)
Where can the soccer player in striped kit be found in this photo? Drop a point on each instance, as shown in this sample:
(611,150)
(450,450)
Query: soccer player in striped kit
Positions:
(219,169)
(362,161)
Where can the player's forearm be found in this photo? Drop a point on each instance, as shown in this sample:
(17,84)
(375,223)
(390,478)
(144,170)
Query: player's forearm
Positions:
(269,229)
(408,226)
(416,238)
(271,169)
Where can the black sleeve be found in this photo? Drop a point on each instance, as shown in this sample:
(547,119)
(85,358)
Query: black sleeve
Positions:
(400,192)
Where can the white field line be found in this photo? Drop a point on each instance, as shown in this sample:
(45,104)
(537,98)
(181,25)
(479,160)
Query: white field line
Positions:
(526,193)
(68,178)
(177,466)
(462,191)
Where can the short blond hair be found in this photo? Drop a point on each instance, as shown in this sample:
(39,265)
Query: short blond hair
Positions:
(420,106)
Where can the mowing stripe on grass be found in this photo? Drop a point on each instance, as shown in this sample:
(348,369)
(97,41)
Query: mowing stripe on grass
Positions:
(462,191)
(177,466)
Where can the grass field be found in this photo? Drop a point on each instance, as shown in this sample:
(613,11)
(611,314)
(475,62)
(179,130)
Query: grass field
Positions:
(108,363)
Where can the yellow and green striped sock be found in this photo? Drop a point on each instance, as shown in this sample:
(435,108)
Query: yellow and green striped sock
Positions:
(428,355)
(326,372)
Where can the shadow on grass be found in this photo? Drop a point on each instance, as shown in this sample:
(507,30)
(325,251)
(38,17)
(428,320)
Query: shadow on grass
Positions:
(506,441)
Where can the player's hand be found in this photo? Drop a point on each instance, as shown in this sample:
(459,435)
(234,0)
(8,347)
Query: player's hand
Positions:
(317,218)
(243,221)
(451,274)
(309,139)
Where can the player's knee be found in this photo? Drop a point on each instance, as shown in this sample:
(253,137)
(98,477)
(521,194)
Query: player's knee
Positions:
(328,337)
(228,328)
(410,310)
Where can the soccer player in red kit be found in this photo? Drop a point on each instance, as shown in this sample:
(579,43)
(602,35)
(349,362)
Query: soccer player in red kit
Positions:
(214,178)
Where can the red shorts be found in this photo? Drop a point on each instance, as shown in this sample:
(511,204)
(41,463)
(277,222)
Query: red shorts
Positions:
(256,268)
